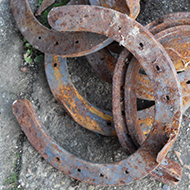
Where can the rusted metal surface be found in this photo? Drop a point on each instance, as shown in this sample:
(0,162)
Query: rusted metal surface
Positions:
(51,41)
(143,90)
(129,7)
(84,113)
(168,21)
(169,173)
(44,5)
(103,63)
(130,85)
(175,41)
(134,7)
(142,45)
(150,156)
(66,44)
(116,173)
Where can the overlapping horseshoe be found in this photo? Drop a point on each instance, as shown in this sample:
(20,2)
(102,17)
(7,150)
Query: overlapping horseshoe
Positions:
(169,171)
(177,34)
(104,174)
(102,61)
(146,120)
(51,41)
(66,44)
(175,113)
(67,155)
(129,7)
(85,113)
(79,108)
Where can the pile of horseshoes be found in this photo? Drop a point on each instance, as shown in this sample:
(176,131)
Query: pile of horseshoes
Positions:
(98,29)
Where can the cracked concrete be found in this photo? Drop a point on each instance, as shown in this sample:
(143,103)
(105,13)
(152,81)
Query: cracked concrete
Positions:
(35,172)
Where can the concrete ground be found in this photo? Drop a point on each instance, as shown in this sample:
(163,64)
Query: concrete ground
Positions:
(21,166)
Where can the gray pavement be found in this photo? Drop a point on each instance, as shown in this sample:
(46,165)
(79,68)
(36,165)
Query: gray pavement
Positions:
(21,166)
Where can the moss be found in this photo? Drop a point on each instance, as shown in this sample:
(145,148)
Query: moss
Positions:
(12,180)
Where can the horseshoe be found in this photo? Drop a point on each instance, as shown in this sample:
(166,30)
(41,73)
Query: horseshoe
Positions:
(83,112)
(104,125)
(129,7)
(53,42)
(175,35)
(104,174)
(103,62)
(66,94)
(175,41)
(65,44)
(135,38)
(168,172)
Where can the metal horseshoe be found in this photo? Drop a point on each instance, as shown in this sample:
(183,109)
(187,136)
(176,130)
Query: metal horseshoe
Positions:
(53,42)
(134,37)
(116,173)
(169,171)
(103,61)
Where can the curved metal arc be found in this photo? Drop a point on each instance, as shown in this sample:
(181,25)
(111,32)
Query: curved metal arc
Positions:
(144,90)
(168,172)
(83,112)
(168,21)
(51,41)
(99,174)
(134,37)
(46,3)
(134,7)
(79,108)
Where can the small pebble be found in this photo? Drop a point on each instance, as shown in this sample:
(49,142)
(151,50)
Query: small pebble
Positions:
(24,69)
(165,187)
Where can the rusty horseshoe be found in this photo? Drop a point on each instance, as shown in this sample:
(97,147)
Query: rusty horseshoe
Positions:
(51,41)
(139,46)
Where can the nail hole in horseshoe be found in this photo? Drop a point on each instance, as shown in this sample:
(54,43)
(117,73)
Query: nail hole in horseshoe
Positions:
(109,123)
(76,42)
(57,159)
(56,43)
(168,98)
(141,46)
(78,170)
(126,172)
(188,82)
(55,64)
(119,27)
(157,67)
(101,175)
(160,21)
